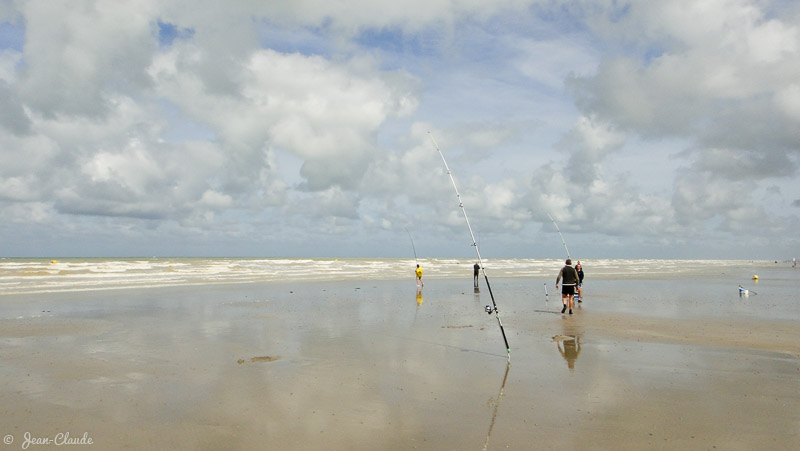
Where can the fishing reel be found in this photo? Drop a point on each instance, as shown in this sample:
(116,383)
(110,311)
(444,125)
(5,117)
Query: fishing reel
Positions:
(489,309)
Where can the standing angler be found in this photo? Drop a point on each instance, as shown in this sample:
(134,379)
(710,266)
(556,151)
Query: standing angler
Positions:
(570,276)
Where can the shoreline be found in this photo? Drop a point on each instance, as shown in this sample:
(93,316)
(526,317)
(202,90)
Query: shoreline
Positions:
(78,275)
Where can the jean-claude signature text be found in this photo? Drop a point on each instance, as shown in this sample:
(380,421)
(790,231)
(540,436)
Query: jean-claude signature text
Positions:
(62,438)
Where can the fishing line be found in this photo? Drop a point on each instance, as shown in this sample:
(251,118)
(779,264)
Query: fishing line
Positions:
(489,309)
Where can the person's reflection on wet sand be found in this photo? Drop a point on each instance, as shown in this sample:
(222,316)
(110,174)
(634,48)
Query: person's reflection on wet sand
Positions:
(570,350)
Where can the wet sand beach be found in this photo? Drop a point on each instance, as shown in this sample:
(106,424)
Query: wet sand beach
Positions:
(370,364)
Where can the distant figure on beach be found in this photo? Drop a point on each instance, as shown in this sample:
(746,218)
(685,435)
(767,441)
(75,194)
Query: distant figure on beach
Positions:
(475,271)
(570,276)
(579,268)
(794,262)
(419,276)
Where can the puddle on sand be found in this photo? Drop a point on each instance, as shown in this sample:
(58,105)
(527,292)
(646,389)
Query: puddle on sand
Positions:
(265,358)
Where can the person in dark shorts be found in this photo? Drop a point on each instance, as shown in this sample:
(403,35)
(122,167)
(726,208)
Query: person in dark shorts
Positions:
(475,271)
(570,276)
(579,288)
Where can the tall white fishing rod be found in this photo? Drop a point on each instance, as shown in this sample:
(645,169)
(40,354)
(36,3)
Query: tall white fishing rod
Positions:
(489,309)
(559,234)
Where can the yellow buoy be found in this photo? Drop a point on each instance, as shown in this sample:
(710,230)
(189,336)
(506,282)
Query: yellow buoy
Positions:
(755,277)
(54,261)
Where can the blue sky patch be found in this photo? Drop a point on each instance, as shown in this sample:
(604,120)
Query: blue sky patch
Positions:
(12,35)
(167,33)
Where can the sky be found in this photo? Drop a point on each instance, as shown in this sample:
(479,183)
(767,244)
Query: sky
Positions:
(308,128)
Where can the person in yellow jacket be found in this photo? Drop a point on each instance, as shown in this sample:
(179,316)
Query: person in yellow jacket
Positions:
(419,276)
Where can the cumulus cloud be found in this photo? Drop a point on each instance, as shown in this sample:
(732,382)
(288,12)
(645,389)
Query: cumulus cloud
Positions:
(733,59)
(325,113)
(74,51)
(309,118)
(724,84)
(95,95)
(580,196)
(12,116)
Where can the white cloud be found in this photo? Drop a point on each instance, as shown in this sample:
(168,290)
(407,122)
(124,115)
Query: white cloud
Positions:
(675,120)
(27,213)
(551,62)
(9,61)
(324,112)
(733,55)
(215,200)
(710,83)
(132,168)
(75,50)
(788,101)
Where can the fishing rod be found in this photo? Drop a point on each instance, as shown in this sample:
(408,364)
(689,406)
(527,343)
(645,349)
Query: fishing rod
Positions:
(493,307)
(577,285)
(412,245)
(559,234)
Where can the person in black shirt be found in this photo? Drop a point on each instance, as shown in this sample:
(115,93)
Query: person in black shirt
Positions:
(570,276)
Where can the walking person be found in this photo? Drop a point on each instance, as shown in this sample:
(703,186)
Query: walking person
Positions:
(579,268)
(475,271)
(419,276)
(570,276)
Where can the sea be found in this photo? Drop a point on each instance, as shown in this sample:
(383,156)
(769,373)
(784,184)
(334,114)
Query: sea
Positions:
(20,276)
